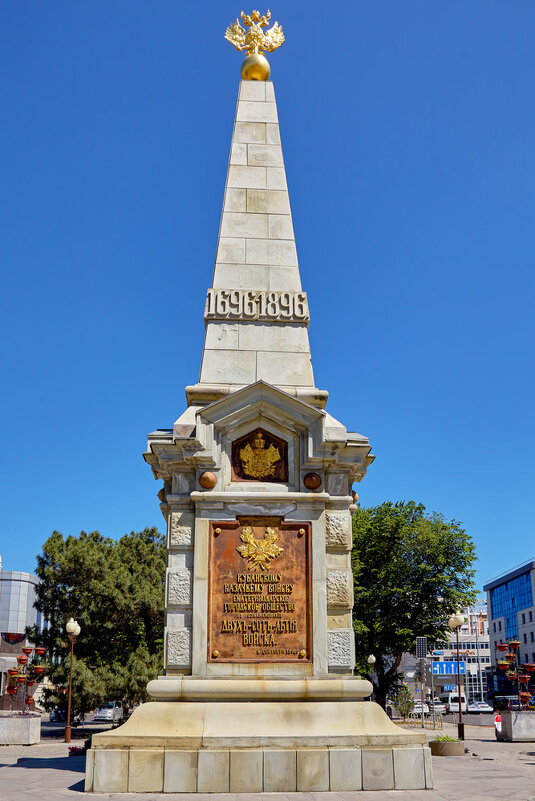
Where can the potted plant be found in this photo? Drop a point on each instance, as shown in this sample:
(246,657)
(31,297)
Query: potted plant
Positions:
(503,665)
(501,646)
(446,746)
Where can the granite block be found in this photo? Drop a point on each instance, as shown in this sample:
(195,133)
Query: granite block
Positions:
(312,770)
(246,771)
(280,771)
(180,772)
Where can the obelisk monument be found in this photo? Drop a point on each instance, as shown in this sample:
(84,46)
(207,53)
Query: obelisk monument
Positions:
(258,692)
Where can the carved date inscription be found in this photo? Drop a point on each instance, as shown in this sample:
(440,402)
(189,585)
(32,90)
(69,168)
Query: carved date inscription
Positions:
(246,304)
(259,607)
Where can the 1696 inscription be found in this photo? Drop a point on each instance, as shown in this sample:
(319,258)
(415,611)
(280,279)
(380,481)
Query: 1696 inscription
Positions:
(259,592)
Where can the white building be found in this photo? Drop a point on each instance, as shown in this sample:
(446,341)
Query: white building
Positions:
(474,651)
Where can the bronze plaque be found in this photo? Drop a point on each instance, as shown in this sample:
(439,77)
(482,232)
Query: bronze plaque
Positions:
(259,591)
(260,456)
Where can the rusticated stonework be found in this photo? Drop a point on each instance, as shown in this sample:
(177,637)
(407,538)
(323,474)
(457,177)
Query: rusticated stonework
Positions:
(338,530)
(179,588)
(339,642)
(181,529)
(179,648)
(339,588)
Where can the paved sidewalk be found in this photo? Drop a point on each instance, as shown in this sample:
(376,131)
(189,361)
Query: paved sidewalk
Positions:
(44,772)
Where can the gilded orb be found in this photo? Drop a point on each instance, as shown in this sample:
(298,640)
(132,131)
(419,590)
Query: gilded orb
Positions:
(255,68)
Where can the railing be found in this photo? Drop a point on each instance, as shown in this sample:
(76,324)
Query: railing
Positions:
(431,721)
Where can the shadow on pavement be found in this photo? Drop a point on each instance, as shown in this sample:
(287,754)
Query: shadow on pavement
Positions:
(76,763)
(78,787)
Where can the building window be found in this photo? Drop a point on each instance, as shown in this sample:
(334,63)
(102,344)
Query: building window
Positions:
(494,627)
(531,617)
(525,638)
(523,617)
(499,627)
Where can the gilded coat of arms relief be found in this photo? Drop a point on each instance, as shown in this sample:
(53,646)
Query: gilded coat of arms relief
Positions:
(259,456)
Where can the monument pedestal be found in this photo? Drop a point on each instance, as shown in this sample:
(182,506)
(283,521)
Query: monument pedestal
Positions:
(259,746)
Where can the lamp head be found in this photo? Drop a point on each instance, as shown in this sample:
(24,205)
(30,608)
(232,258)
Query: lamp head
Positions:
(71,626)
(371,660)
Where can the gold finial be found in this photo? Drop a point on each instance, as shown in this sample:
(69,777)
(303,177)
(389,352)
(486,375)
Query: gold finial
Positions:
(255,66)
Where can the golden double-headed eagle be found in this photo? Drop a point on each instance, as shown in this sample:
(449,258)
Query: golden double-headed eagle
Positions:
(259,462)
(259,553)
(255,40)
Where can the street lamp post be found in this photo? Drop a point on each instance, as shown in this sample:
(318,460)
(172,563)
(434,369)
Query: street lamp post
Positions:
(455,622)
(74,630)
(371,663)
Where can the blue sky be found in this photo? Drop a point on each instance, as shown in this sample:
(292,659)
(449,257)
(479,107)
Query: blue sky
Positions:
(408,133)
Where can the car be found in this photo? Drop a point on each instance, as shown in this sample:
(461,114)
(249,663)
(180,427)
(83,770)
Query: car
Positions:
(479,706)
(437,707)
(417,710)
(110,712)
(59,715)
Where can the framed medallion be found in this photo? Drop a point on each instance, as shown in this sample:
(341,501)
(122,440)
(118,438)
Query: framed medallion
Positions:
(259,591)
(260,456)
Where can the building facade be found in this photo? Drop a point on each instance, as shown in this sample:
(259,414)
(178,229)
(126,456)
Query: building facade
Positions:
(17,612)
(511,610)
(474,651)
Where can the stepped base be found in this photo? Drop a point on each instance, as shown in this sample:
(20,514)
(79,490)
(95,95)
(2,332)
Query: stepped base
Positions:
(263,746)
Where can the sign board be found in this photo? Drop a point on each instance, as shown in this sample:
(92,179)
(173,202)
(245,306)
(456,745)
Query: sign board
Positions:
(448,668)
(421,647)
(449,688)
(259,591)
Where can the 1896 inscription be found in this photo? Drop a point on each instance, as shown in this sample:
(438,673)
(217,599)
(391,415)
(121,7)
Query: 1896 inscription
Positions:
(259,592)
(249,304)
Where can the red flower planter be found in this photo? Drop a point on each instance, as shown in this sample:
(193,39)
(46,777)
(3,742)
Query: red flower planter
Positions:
(510,656)
(530,666)
(501,646)
(503,665)
(514,645)
(21,659)
(39,650)
(38,669)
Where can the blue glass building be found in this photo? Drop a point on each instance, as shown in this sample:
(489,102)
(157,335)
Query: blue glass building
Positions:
(511,611)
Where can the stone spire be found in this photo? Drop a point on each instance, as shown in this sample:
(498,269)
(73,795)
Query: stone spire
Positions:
(256,313)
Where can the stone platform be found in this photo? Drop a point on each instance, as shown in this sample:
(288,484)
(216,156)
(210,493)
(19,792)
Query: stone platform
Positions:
(258,746)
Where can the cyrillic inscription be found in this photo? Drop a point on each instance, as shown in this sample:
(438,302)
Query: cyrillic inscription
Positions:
(248,304)
(259,592)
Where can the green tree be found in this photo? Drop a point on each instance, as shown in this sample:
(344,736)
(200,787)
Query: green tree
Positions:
(411,570)
(115,590)
(402,701)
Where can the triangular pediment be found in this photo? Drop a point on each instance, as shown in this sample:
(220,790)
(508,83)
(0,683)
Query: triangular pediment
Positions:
(260,397)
